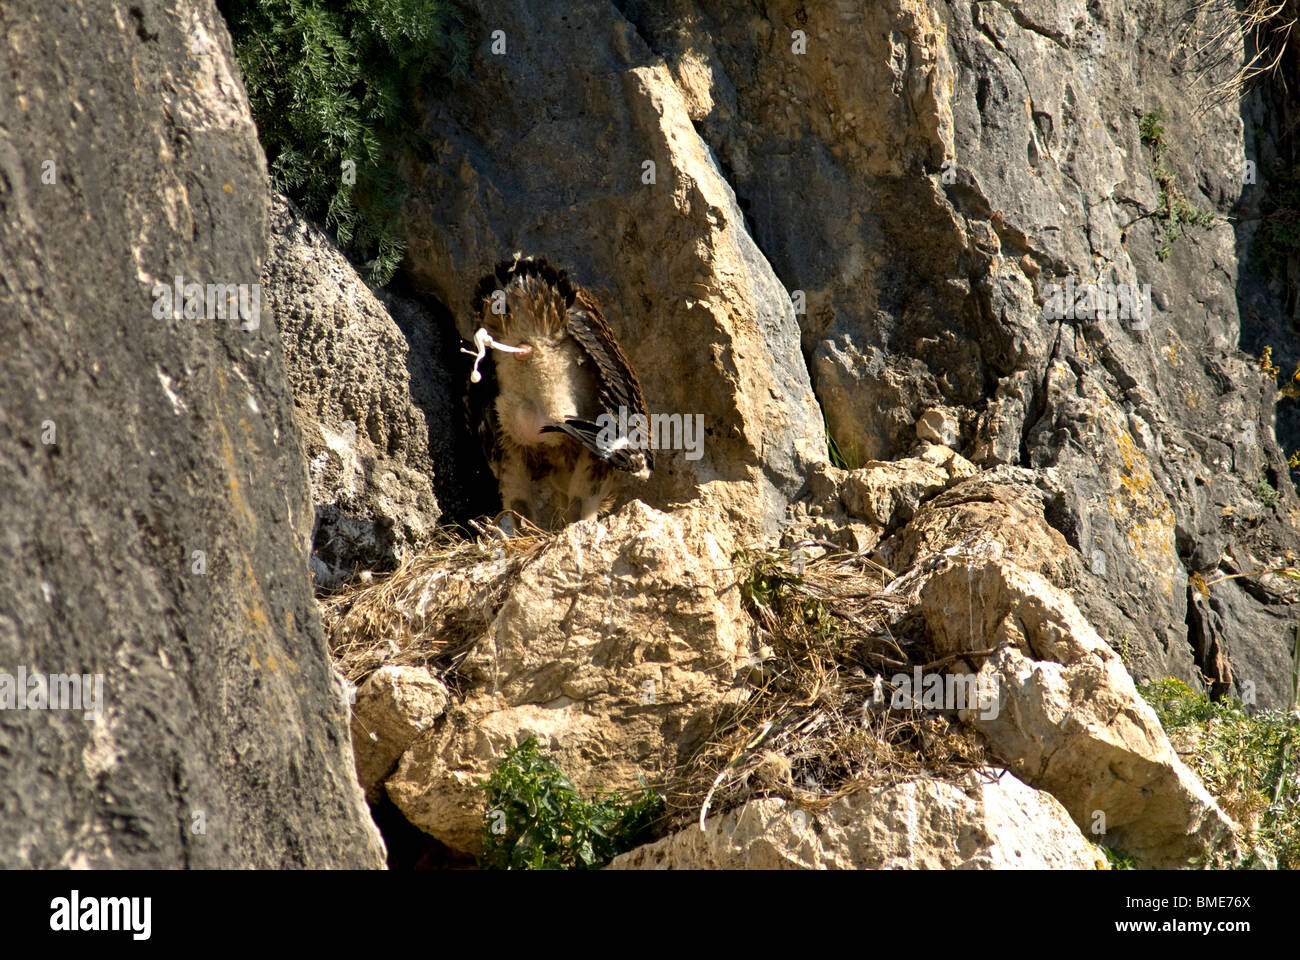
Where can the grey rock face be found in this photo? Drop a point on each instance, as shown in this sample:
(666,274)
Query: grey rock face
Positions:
(925,173)
(367,443)
(154,505)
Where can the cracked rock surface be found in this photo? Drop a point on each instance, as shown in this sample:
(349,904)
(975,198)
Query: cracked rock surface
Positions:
(873,213)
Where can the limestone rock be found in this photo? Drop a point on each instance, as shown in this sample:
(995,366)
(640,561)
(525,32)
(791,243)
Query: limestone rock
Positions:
(1070,720)
(393,707)
(155,515)
(938,425)
(883,495)
(995,516)
(616,647)
(887,494)
(985,822)
(366,442)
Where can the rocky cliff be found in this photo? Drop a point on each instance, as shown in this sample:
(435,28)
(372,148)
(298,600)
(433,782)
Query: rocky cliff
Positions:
(154,497)
(918,175)
(963,294)
(876,203)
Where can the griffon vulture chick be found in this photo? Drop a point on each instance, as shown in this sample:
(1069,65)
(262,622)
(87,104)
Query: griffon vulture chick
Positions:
(558,370)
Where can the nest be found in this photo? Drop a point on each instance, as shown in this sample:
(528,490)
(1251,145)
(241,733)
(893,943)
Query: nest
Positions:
(813,726)
(816,727)
(432,609)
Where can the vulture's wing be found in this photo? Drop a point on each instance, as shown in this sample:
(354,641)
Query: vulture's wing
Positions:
(619,386)
(589,435)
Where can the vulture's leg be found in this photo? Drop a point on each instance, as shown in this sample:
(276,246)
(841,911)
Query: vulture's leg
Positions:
(516,485)
(591,485)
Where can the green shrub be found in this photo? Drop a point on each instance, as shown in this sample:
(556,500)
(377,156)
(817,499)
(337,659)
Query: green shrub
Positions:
(774,591)
(1119,860)
(1250,764)
(1151,126)
(537,821)
(333,85)
(1172,208)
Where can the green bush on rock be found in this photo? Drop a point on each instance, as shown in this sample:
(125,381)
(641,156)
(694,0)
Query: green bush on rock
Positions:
(332,87)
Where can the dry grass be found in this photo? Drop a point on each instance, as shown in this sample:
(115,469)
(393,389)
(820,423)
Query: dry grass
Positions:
(432,609)
(1214,30)
(834,631)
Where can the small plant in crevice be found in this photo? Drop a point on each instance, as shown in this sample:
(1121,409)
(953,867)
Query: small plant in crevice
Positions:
(333,87)
(1118,859)
(1124,647)
(1251,764)
(773,588)
(843,459)
(1266,493)
(1266,363)
(537,821)
(1173,210)
(1290,389)
(833,452)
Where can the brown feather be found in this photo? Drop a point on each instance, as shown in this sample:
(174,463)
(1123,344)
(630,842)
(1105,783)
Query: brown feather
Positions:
(619,383)
(544,308)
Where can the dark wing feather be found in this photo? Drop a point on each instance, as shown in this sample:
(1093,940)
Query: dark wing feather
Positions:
(619,386)
(588,434)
